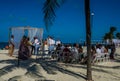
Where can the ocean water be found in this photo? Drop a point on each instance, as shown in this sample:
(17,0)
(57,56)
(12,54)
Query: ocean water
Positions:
(3,44)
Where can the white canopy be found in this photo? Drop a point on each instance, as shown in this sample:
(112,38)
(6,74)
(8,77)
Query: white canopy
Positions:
(30,32)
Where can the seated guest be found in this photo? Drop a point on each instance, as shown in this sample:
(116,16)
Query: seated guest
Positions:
(66,54)
(75,52)
(58,47)
(106,49)
(58,51)
(102,48)
(98,49)
(93,52)
(80,49)
(46,47)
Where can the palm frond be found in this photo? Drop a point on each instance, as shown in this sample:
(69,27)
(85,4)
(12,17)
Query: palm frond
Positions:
(118,35)
(112,29)
(49,11)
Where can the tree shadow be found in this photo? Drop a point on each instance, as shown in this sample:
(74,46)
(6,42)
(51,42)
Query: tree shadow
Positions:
(113,67)
(117,58)
(26,64)
(51,67)
(84,67)
(34,66)
(9,68)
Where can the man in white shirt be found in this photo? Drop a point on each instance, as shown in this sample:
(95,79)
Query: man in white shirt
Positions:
(51,43)
(99,51)
(36,45)
(58,42)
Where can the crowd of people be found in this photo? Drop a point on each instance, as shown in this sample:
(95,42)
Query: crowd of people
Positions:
(57,50)
(76,53)
(26,47)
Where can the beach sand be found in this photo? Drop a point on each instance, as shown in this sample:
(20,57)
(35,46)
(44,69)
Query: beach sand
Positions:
(41,70)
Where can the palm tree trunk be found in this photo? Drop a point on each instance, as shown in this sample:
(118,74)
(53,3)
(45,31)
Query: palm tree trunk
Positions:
(88,39)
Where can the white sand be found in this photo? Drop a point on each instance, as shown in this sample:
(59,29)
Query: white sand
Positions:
(32,70)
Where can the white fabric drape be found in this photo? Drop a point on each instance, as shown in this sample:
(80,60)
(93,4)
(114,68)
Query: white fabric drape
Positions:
(19,32)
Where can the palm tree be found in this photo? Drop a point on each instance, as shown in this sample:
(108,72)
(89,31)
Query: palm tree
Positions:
(49,17)
(110,35)
(88,39)
(112,29)
(49,12)
(118,35)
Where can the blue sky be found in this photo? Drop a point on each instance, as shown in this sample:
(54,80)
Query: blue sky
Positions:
(69,25)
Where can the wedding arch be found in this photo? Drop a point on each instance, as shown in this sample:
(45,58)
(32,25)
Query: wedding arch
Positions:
(28,31)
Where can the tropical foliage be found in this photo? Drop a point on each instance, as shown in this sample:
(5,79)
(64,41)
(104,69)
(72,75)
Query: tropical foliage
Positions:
(49,11)
(110,34)
(118,35)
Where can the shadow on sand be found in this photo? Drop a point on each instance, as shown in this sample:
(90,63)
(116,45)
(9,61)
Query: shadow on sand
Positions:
(34,67)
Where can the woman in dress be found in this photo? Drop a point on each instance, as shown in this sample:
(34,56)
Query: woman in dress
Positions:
(24,52)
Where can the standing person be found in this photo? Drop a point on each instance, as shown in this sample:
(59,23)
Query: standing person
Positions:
(11,45)
(113,49)
(51,43)
(58,42)
(36,45)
